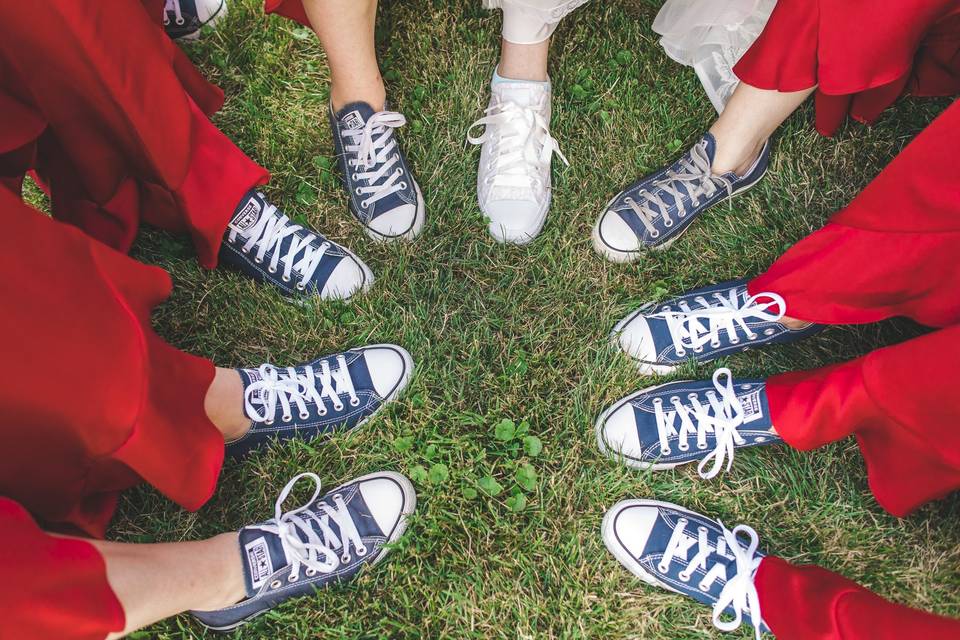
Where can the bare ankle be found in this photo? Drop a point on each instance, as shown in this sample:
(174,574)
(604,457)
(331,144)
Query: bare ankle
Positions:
(793,323)
(224,404)
(735,158)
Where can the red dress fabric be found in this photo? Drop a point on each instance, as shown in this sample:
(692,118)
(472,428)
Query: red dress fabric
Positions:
(112,117)
(292,9)
(60,592)
(93,400)
(896,244)
(861,54)
(811,603)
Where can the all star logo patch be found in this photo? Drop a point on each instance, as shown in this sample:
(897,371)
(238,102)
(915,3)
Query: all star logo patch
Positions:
(254,376)
(353,120)
(259,562)
(752,407)
(248,216)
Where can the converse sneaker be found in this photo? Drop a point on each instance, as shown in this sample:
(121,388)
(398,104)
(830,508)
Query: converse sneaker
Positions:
(703,325)
(514,181)
(679,550)
(384,196)
(334,393)
(326,541)
(654,211)
(183,19)
(673,424)
(263,243)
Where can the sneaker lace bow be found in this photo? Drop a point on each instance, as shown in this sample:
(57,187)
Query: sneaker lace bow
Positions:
(693,328)
(307,536)
(267,236)
(739,592)
(522,144)
(374,155)
(291,388)
(695,178)
(722,416)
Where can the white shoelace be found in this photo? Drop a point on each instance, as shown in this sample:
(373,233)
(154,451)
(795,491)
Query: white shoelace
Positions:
(319,553)
(696,179)
(522,145)
(173,5)
(268,234)
(722,417)
(692,329)
(374,146)
(739,590)
(290,388)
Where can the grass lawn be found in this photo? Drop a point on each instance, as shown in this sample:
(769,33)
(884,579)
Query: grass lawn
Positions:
(507,333)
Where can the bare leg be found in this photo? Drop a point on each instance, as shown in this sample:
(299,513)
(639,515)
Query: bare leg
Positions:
(750,118)
(524,61)
(345,29)
(156,581)
(224,404)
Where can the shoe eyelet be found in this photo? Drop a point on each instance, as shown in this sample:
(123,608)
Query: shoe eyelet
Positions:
(668,223)
(403,186)
(361,551)
(276,584)
(181,21)
(364,204)
(665,451)
(271,270)
(770,331)
(735,341)
(698,350)
(654,234)
(683,447)
(304,416)
(301,287)
(752,336)
(701,446)
(746,387)
(355,402)
(662,568)
(681,353)
(345,558)
(703,587)
(292,578)
(286,278)
(268,422)
(287,418)
(258,260)
(684,576)
(357,191)
(322,412)
(354,177)
(311,572)
(338,407)
(674,398)
(714,345)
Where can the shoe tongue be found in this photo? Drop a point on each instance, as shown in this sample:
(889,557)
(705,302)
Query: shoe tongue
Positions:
(524,94)
(355,115)
(711,146)
(248,212)
(262,556)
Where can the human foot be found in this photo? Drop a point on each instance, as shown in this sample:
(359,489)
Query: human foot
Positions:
(328,540)
(514,179)
(263,243)
(384,195)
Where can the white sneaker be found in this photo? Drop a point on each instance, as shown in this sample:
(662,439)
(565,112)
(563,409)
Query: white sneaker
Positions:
(183,19)
(514,181)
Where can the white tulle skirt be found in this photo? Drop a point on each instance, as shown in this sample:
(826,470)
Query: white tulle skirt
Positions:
(711,36)
(532,21)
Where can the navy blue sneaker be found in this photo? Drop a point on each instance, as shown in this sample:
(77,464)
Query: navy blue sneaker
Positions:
(183,19)
(262,242)
(654,211)
(679,550)
(681,422)
(334,393)
(326,541)
(703,325)
(384,195)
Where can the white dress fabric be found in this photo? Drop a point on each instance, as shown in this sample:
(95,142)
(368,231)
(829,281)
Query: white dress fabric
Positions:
(532,21)
(711,36)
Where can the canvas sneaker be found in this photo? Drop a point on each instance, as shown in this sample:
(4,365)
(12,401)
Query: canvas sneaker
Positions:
(514,179)
(679,550)
(335,393)
(183,19)
(678,423)
(384,195)
(703,325)
(654,211)
(326,541)
(263,243)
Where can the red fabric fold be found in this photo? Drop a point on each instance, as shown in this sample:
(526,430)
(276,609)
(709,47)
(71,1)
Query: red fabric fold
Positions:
(53,587)
(90,390)
(861,54)
(810,603)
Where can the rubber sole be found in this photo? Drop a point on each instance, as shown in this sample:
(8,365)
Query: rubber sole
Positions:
(415,229)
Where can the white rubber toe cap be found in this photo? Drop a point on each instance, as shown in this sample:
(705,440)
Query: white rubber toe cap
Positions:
(390,498)
(390,369)
(628,526)
(617,432)
(349,277)
(614,239)
(634,338)
(515,221)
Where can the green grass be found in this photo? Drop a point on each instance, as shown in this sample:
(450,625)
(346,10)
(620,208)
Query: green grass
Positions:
(520,333)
